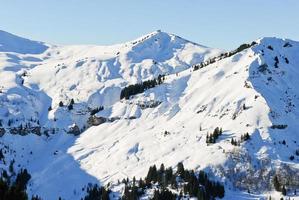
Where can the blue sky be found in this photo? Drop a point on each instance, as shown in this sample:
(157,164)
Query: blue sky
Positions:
(215,23)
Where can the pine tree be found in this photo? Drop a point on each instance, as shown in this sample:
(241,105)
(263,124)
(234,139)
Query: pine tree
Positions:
(22,179)
(180,170)
(216,132)
(162,168)
(276,183)
(168,175)
(284,191)
(232,141)
(11,168)
(200,195)
(246,136)
(70,107)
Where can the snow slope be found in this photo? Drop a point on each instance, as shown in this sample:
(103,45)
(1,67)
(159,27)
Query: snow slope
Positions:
(247,92)
(12,43)
(206,98)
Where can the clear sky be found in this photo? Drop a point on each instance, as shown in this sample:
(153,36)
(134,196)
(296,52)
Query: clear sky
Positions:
(215,23)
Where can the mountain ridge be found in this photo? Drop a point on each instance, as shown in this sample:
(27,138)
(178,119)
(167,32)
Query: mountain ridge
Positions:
(251,91)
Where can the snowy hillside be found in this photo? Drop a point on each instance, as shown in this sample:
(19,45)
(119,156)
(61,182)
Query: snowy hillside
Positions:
(49,93)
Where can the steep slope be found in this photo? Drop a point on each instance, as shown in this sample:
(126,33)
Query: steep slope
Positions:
(35,77)
(253,91)
(235,94)
(91,75)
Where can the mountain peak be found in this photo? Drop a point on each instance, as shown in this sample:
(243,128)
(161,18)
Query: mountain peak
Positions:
(161,35)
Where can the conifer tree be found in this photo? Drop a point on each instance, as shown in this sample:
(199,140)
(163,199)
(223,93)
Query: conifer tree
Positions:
(180,170)
(276,183)
(283,191)
(60,104)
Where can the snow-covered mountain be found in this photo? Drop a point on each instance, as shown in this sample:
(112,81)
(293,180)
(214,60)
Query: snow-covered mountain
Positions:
(49,91)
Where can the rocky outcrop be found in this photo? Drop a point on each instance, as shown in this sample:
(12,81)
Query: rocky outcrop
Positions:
(95,121)
(25,131)
(74,130)
(248,173)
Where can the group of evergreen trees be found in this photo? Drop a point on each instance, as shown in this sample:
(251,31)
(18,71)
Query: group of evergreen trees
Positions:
(223,55)
(186,183)
(11,122)
(96,110)
(141,87)
(278,187)
(234,142)
(244,138)
(211,138)
(95,192)
(70,106)
(164,194)
(133,191)
(14,187)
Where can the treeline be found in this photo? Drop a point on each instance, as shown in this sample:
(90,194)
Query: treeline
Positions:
(14,187)
(186,183)
(164,182)
(95,192)
(141,87)
(222,56)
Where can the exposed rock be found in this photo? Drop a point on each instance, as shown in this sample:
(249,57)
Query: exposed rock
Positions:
(247,173)
(25,131)
(95,121)
(18,131)
(74,129)
(148,104)
(112,119)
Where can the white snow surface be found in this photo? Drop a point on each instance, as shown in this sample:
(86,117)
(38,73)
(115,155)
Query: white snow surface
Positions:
(35,76)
